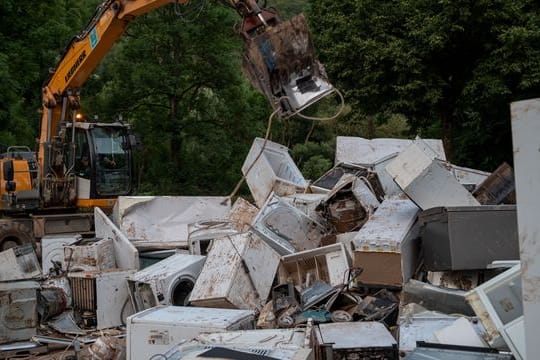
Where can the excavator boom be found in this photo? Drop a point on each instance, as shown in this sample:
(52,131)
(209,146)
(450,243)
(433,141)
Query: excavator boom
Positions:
(278,59)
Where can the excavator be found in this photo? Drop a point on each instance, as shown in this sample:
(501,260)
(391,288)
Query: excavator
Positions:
(80,164)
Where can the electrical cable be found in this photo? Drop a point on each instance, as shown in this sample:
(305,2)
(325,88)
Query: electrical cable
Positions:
(269,127)
(183,15)
(333,117)
(266,136)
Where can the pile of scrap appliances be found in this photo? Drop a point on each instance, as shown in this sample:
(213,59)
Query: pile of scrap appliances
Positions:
(393,253)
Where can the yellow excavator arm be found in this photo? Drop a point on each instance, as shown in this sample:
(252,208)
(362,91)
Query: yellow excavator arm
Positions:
(278,59)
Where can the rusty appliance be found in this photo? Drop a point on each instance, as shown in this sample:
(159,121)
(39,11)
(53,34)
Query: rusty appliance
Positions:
(238,273)
(280,61)
(100,298)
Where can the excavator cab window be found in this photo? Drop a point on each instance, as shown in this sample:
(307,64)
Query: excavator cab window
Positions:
(83,164)
(112,160)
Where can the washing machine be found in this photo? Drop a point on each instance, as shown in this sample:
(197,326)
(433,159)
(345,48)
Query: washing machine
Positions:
(168,282)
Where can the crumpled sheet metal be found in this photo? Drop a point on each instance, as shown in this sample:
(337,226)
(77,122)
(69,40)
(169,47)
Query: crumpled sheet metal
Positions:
(357,150)
(162,221)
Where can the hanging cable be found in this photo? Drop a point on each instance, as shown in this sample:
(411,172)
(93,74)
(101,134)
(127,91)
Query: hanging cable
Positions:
(184,15)
(267,135)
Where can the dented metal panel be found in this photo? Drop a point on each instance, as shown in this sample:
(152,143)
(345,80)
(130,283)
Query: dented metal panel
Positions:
(224,282)
(18,310)
(307,203)
(271,169)
(421,327)
(242,214)
(426,182)
(156,330)
(391,189)
(126,255)
(19,263)
(286,228)
(357,150)
(156,220)
(470,178)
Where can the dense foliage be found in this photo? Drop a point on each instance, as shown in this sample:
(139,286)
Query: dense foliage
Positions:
(450,67)
(440,69)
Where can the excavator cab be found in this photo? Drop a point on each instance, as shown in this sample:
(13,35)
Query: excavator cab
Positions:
(102,163)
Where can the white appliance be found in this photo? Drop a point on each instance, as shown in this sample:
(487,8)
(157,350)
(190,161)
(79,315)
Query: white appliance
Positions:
(268,168)
(52,249)
(168,282)
(90,254)
(19,263)
(227,353)
(354,340)
(155,331)
(101,297)
(238,273)
(18,310)
(162,221)
(286,228)
(284,344)
(498,304)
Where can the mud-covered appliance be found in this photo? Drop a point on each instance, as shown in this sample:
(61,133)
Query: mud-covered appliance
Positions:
(52,249)
(499,306)
(101,297)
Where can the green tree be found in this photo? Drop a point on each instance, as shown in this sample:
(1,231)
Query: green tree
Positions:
(451,67)
(32,36)
(178,82)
